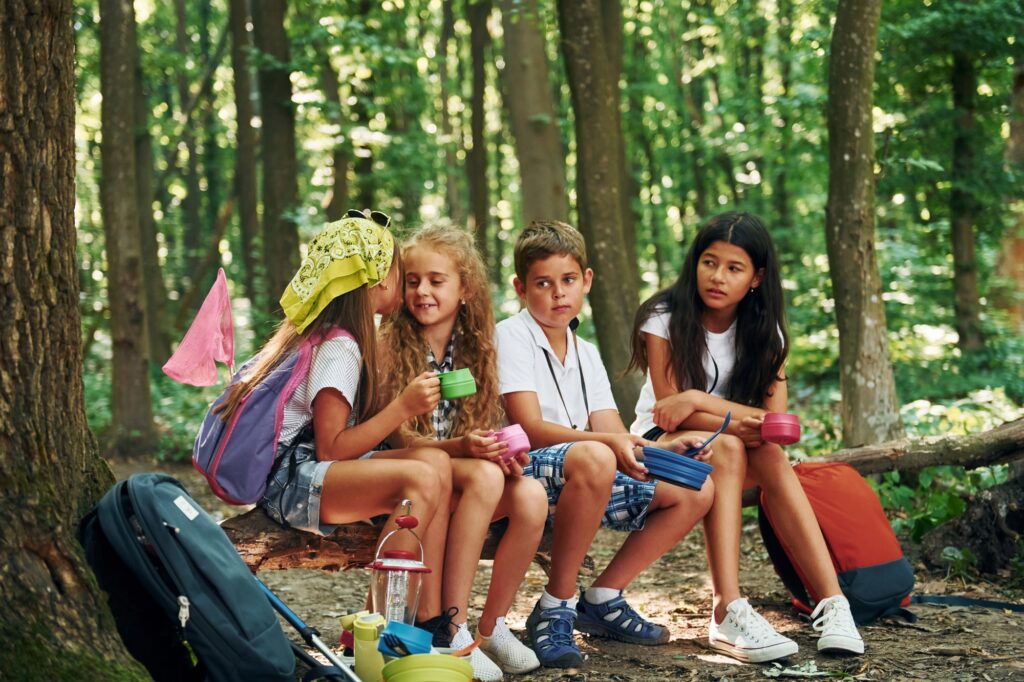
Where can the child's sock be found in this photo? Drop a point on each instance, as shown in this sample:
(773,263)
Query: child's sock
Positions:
(599,595)
(547,601)
(462,637)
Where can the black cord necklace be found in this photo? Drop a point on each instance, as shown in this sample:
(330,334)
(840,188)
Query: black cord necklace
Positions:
(583,382)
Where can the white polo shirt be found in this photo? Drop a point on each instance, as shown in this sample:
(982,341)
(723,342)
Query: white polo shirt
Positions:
(522,348)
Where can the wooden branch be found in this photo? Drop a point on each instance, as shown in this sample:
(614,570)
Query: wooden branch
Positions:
(1005,443)
(263,544)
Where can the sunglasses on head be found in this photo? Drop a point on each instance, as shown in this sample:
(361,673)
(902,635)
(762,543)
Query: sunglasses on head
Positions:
(382,219)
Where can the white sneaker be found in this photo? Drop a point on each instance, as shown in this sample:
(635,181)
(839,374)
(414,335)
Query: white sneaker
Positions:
(746,636)
(838,631)
(505,649)
(484,669)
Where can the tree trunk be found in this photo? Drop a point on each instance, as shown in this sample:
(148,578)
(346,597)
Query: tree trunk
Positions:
(780,190)
(192,231)
(963,206)
(595,102)
(280,183)
(869,407)
(476,160)
(245,148)
(132,415)
(338,203)
(55,623)
(1001,445)
(450,139)
(531,113)
(159,345)
(1009,295)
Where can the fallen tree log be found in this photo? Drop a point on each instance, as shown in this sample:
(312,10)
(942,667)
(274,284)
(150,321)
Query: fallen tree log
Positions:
(263,544)
(1003,444)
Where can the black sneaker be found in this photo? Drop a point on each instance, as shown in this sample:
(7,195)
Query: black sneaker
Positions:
(439,627)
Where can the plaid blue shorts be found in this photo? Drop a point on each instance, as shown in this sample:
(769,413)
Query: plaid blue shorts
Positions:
(630,501)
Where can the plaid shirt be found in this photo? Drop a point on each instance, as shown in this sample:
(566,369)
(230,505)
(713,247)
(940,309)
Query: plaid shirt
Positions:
(444,413)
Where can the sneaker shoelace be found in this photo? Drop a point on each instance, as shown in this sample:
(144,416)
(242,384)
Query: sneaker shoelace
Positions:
(833,613)
(753,625)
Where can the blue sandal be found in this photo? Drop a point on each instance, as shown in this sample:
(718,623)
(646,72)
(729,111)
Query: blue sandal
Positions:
(550,635)
(625,624)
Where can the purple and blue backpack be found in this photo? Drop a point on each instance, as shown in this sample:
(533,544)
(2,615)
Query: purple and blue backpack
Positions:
(236,456)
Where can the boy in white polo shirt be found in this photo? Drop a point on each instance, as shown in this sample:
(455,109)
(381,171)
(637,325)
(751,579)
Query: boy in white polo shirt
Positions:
(556,387)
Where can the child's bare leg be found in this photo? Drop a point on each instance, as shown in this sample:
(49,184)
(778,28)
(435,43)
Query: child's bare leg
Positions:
(433,528)
(723,523)
(794,518)
(525,504)
(589,471)
(673,513)
(478,485)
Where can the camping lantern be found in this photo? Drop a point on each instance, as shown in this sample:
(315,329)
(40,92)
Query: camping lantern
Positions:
(396,574)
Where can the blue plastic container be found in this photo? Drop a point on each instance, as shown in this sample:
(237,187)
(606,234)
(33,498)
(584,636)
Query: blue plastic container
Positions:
(676,469)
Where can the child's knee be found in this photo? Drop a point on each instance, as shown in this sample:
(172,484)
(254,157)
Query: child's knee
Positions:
(591,462)
(729,456)
(483,479)
(529,500)
(705,497)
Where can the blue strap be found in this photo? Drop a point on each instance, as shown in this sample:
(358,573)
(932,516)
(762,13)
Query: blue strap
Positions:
(953,600)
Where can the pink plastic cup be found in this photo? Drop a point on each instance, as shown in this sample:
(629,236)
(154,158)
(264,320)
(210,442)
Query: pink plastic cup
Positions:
(781,428)
(517,440)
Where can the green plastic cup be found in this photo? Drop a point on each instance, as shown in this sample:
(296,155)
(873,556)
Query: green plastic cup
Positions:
(457,384)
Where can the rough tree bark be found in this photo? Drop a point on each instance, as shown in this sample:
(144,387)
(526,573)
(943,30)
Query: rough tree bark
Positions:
(159,344)
(54,624)
(476,159)
(131,427)
(1010,264)
(869,408)
(191,222)
(280,183)
(245,147)
(531,113)
(340,156)
(450,135)
(595,102)
(963,207)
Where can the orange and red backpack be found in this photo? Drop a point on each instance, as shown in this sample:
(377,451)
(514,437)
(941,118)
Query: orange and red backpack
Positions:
(873,573)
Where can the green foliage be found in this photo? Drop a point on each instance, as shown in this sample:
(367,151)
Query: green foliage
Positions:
(961,562)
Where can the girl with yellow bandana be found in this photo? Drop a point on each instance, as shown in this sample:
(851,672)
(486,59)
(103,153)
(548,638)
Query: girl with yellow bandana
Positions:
(328,471)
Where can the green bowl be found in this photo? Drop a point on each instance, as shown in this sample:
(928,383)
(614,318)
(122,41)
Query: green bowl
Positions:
(428,668)
(457,384)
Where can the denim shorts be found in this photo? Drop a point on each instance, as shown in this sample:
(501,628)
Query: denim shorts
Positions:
(294,489)
(630,501)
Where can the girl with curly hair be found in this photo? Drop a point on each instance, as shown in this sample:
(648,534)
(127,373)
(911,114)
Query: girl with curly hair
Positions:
(447,322)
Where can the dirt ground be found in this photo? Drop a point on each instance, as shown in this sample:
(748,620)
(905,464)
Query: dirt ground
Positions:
(946,643)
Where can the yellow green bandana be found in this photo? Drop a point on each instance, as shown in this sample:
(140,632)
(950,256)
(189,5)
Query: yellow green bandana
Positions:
(344,256)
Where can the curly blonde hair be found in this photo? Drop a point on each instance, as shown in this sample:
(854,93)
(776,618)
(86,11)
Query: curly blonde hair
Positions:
(405,348)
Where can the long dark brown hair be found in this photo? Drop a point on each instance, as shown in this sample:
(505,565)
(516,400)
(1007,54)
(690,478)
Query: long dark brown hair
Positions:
(760,349)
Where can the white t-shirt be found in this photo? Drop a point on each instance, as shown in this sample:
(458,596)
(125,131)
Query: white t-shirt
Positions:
(718,361)
(336,364)
(522,348)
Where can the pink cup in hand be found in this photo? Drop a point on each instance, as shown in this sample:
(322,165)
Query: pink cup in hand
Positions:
(781,428)
(516,438)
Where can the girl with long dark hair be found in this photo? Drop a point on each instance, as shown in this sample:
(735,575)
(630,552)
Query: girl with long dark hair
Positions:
(715,341)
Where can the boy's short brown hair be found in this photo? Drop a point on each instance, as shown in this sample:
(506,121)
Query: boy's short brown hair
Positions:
(544,238)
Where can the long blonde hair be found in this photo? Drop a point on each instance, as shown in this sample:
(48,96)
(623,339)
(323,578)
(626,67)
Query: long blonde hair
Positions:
(402,337)
(350,311)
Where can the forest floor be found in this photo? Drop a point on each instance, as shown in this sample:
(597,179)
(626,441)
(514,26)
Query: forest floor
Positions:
(946,643)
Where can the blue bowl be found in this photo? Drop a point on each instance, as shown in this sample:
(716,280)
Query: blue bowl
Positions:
(676,469)
(416,640)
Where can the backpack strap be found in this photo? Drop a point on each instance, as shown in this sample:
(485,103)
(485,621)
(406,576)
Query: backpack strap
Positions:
(953,600)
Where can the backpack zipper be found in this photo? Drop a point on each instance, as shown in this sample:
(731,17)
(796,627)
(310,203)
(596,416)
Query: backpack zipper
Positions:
(183,610)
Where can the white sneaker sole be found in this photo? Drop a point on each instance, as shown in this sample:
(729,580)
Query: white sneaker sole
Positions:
(840,644)
(763,655)
(511,670)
